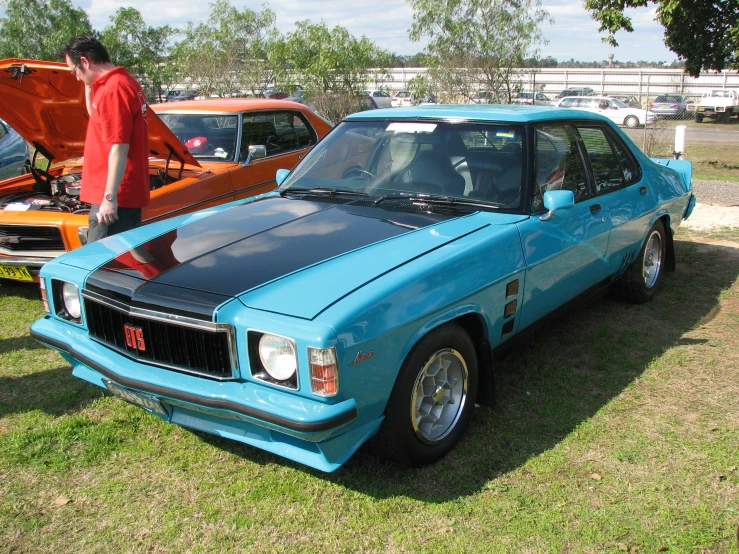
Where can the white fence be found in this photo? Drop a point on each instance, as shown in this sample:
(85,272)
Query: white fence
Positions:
(638,82)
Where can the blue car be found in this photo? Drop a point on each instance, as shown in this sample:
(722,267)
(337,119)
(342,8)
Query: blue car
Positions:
(15,157)
(365,296)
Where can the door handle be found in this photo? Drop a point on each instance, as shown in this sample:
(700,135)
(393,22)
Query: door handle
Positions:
(595,208)
(643,189)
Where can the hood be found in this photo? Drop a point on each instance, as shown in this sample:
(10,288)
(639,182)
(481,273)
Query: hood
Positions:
(247,250)
(45,104)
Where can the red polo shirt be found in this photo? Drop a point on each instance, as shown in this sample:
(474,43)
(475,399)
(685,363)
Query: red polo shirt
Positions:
(118,116)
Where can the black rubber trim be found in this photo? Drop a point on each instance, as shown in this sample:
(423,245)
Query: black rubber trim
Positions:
(209,402)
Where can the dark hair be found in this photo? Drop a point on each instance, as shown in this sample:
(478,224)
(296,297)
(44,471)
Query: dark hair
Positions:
(88,47)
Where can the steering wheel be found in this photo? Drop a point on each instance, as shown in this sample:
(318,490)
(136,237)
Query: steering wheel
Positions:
(358,171)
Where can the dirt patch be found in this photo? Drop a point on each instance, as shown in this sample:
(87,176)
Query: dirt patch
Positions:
(706,217)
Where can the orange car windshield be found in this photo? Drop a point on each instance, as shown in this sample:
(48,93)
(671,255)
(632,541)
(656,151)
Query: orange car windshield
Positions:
(206,136)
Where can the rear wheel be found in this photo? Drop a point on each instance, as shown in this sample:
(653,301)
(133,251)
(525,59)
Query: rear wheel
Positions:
(642,278)
(725,116)
(699,118)
(432,400)
(631,122)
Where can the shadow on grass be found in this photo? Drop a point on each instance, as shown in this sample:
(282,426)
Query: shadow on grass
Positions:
(19,288)
(552,382)
(53,391)
(20,343)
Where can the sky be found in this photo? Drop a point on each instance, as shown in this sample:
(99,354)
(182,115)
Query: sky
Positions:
(386,22)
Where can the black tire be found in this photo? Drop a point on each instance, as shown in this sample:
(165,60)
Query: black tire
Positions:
(725,116)
(642,278)
(631,122)
(699,117)
(408,435)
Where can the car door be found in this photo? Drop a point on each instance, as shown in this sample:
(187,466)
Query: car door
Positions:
(286,135)
(621,192)
(565,254)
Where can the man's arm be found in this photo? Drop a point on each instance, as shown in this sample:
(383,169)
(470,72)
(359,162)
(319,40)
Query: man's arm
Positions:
(88,99)
(108,212)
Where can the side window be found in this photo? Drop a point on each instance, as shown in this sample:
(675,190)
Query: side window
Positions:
(278,132)
(629,167)
(603,160)
(567,102)
(558,164)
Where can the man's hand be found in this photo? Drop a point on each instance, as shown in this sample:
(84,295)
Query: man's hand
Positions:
(108,212)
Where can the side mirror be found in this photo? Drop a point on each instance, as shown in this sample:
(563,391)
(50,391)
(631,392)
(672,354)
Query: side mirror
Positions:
(281,176)
(256,151)
(557,200)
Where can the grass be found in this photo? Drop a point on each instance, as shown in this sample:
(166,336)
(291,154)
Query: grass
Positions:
(616,430)
(711,160)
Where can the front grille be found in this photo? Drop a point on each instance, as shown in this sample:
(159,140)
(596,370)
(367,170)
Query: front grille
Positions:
(30,238)
(170,345)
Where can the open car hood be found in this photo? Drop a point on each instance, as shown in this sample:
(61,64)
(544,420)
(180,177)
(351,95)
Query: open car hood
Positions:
(45,104)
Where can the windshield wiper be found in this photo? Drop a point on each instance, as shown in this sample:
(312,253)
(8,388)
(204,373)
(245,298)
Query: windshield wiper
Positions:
(327,191)
(434,199)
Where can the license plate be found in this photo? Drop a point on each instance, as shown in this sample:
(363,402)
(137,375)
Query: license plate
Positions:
(139,399)
(19,273)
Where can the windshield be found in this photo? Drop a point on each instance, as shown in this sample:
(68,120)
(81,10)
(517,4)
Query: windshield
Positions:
(619,103)
(206,136)
(470,163)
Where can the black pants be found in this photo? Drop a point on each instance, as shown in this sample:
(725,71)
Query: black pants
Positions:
(128,218)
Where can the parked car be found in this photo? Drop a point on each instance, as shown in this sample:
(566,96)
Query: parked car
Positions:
(527,98)
(15,156)
(366,295)
(202,153)
(483,97)
(402,98)
(670,106)
(381,98)
(613,109)
(179,95)
(282,92)
(575,91)
(631,101)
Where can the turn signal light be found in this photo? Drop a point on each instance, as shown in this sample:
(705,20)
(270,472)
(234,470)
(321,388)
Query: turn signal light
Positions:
(324,373)
(44,298)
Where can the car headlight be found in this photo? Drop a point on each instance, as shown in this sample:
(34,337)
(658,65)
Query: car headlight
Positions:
(278,356)
(71,300)
(67,303)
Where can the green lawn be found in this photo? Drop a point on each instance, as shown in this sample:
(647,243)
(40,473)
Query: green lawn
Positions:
(617,430)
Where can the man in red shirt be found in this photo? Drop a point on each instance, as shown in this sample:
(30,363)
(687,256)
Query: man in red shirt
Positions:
(115,171)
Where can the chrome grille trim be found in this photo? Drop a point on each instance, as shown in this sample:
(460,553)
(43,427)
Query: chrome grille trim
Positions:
(169,319)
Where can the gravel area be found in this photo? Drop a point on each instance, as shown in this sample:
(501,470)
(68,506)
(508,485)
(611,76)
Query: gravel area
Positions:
(717,205)
(716,193)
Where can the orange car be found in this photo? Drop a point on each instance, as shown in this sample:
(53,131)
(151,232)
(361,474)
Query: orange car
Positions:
(202,153)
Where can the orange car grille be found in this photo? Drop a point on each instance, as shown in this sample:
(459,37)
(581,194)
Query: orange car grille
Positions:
(169,345)
(24,238)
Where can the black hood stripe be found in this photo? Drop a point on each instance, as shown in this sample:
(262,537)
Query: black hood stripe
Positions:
(248,246)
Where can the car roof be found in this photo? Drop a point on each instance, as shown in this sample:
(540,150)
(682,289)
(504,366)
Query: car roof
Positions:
(227,105)
(505,113)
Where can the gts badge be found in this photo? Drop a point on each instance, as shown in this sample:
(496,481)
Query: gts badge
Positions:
(362,357)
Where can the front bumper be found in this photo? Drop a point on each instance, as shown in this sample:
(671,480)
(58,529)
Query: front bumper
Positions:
(319,435)
(32,263)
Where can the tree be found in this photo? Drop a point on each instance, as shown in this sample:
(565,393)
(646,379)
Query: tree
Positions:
(477,43)
(227,54)
(330,60)
(703,33)
(40,29)
(143,50)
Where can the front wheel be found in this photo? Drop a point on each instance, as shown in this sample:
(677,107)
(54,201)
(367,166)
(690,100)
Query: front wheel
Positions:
(699,118)
(642,278)
(631,122)
(432,400)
